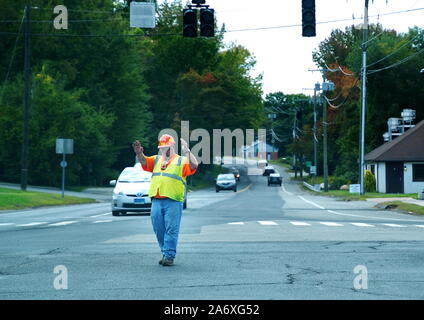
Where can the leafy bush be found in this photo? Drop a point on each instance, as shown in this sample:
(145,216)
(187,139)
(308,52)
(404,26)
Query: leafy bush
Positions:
(337,181)
(369,182)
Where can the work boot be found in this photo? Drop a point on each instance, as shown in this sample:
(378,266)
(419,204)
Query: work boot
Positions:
(167,262)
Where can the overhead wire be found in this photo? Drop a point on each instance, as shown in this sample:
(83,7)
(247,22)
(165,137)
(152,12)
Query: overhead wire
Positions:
(11,60)
(397,63)
(225,31)
(395,51)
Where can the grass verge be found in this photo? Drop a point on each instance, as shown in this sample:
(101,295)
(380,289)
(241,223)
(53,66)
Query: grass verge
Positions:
(11,199)
(345,195)
(399,205)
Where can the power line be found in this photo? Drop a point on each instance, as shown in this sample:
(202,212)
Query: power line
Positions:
(344,101)
(397,63)
(396,50)
(229,31)
(11,60)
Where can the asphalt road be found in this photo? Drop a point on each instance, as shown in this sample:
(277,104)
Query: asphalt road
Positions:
(259,243)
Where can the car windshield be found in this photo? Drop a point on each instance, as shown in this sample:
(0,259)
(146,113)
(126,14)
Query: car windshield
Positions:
(134,176)
(226,177)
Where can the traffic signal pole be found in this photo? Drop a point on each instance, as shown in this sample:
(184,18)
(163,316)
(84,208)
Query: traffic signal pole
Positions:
(25,143)
(363,100)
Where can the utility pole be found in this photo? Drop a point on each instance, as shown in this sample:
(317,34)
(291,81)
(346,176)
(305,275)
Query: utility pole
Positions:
(316,88)
(324,124)
(27,74)
(363,94)
(326,86)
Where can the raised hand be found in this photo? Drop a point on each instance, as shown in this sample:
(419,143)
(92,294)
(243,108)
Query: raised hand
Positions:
(184,146)
(138,149)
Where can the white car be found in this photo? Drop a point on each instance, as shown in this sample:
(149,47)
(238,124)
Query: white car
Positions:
(131,191)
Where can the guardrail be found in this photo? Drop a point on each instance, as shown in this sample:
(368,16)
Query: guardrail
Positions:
(313,188)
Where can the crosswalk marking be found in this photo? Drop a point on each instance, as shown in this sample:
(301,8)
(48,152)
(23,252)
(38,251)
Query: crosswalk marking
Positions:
(6,224)
(393,225)
(268,223)
(236,223)
(100,215)
(420,225)
(299,223)
(63,223)
(102,221)
(359,224)
(332,224)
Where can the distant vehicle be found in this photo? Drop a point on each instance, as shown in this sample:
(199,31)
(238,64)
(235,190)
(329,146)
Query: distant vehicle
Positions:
(262,164)
(226,182)
(268,170)
(275,178)
(131,192)
(236,173)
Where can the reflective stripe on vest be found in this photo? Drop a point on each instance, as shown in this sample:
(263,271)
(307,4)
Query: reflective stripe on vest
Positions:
(169,182)
(169,175)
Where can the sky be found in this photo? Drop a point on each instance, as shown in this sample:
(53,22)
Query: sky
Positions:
(283,56)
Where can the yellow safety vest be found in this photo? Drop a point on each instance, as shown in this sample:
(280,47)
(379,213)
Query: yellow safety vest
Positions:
(169,182)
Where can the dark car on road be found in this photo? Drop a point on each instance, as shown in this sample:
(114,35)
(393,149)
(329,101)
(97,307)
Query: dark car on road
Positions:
(226,182)
(236,173)
(268,170)
(275,178)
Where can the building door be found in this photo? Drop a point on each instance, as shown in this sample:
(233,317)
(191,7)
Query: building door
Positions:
(394,177)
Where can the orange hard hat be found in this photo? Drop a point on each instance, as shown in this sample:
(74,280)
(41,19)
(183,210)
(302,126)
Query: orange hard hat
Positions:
(166,141)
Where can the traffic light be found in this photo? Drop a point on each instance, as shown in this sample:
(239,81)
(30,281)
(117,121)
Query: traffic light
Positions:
(189,23)
(207,22)
(308,18)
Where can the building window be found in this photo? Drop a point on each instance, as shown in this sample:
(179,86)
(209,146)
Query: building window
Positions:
(418,172)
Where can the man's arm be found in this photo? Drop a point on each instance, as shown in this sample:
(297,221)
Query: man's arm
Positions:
(138,149)
(191,158)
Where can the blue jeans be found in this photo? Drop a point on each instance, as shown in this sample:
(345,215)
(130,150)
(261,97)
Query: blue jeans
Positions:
(166,218)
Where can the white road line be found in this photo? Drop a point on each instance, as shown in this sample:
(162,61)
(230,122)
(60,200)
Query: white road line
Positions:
(420,225)
(63,223)
(393,225)
(102,221)
(284,189)
(100,215)
(238,223)
(6,224)
(360,224)
(370,217)
(313,203)
(268,223)
(299,223)
(31,224)
(332,224)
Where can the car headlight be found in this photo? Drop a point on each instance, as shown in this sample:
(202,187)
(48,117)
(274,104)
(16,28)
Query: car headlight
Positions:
(117,192)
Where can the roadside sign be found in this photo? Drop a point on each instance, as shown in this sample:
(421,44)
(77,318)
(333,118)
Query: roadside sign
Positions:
(65,146)
(308,164)
(142,15)
(313,170)
(354,188)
